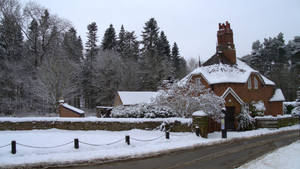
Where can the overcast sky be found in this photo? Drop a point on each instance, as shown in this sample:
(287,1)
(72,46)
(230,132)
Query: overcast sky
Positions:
(193,24)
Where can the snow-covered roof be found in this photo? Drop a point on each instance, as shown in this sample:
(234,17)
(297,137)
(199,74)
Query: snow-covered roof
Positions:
(278,96)
(136,97)
(73,108)
(223,73)
(199,113)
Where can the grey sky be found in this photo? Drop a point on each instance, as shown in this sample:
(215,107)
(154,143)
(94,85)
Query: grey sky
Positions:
(191,23)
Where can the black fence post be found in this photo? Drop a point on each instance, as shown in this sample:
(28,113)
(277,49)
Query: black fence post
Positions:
(13,147)
(167,135)
(127,140)
(197,131)
(76,143)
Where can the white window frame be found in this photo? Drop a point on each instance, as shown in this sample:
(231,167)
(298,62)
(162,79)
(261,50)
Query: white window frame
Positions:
(198,81)
(249,83)
(255,83)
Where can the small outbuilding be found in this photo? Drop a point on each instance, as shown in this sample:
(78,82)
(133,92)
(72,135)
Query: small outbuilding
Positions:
(66,110)
(129,98)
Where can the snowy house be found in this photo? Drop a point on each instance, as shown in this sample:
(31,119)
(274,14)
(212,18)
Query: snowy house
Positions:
(235,81)
(66,110)
(128,98)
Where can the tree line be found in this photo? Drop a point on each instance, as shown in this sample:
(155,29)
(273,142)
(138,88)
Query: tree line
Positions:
(43,59)
(279,61)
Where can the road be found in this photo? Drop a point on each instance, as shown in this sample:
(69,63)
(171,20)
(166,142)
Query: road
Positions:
(225,156)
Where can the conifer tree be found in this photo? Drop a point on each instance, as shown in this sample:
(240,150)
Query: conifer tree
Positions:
(121,40)
(179,63)
(88,72)
(151,61)
(109,41)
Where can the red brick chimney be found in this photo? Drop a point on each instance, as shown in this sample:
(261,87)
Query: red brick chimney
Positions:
(225,47)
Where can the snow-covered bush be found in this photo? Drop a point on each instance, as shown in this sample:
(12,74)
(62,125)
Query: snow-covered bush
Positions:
(257,108)
(289,106)
(296,111)
(188,98)
(246,122)
(142,111)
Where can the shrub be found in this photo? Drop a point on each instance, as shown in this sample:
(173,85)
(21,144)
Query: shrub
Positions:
(246,122)
(143,111)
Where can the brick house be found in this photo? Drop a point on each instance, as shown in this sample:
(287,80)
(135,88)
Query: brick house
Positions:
(235,81)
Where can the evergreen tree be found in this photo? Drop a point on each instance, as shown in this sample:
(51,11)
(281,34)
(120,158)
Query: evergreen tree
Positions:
(179,63)
(164,52)
(109,40)
(151,62)
(73,45)
(88,74)
(121,40)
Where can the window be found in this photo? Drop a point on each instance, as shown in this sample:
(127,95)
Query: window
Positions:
(255,83)
(198,82)
(249,83)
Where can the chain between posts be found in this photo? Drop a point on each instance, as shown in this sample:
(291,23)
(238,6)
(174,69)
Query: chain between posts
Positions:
(5,145)
(107,144)
(29,146)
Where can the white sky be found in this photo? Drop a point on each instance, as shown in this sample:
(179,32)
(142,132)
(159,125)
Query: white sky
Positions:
(193,24)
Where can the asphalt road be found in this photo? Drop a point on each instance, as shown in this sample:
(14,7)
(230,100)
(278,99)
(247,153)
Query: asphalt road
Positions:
(228,155)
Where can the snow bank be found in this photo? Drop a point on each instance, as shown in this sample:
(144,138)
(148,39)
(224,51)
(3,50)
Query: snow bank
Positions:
(284,158)
(95,119)
(119,149)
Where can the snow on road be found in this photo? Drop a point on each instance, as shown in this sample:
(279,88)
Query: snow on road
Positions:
(287,157)
(142,143)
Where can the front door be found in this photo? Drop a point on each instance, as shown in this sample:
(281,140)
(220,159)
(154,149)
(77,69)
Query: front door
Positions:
(229,118)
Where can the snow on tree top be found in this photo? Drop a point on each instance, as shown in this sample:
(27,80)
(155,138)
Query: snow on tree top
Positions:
(278,96)
(199,113)
(73,108)
(223,73)
(136,97)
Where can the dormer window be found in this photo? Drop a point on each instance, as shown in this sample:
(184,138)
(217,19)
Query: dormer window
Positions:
(198,81)
(255,83)
(249,83)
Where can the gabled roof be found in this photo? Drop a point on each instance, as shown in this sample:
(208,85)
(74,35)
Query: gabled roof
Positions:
(224,73)
(136,97)
(229,90)
(278,96)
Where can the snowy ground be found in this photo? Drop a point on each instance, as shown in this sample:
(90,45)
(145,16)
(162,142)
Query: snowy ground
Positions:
(146,142)
(287,157)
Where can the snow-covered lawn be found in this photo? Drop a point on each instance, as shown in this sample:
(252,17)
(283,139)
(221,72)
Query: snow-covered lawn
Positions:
(67,153)
(287,157)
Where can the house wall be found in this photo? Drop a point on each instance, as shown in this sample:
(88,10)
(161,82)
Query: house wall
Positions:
(64,112)
(117,101)
(275,108)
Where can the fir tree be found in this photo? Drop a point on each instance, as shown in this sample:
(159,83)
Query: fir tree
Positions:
(179,63)
(73,45)
(109,40)
(121,40)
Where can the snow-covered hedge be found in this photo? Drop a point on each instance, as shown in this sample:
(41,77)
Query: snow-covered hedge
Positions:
(142,111)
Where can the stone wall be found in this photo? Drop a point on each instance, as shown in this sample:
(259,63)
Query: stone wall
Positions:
(175,126)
